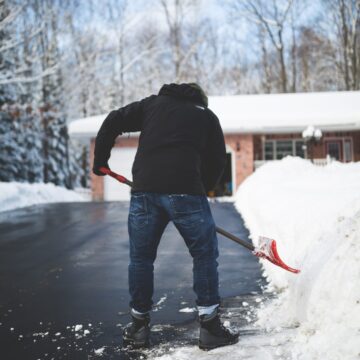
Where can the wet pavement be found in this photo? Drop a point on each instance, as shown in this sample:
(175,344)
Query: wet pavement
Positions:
(63,281)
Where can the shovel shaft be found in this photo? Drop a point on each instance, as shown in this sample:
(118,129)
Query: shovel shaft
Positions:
(272,256)
(235,238)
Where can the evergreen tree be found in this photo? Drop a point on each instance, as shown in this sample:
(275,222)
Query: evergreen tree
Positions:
(7,91)
(10,153)
(57,145)
(79,164)
(31,143)
(56,138)
(20,145)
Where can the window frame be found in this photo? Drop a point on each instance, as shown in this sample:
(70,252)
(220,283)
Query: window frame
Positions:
(273,141)
(343,139)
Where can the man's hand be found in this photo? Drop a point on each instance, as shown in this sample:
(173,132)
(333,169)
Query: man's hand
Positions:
(96,169)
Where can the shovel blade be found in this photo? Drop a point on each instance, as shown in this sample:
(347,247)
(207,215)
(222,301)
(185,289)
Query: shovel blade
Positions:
(267,249)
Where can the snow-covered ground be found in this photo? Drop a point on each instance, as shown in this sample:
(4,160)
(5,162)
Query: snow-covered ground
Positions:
(15,195)
(314,215)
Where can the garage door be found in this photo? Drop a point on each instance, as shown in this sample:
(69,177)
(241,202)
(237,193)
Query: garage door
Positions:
(121,161)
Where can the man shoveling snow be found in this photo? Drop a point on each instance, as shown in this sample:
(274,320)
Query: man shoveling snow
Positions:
(181,156)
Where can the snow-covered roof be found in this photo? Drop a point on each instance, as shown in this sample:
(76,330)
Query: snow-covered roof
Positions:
(269,113)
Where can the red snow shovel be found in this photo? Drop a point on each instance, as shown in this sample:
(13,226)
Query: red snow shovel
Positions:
(267,247)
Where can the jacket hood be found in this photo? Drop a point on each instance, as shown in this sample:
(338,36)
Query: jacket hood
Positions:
(192,92)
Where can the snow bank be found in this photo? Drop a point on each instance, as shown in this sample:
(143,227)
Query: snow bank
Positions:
(314,215)
(15,195)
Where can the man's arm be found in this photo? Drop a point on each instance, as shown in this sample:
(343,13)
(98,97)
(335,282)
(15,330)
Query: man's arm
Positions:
(214,160)
(125,119)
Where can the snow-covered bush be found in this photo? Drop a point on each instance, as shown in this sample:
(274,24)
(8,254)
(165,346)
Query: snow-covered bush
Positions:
(21,157)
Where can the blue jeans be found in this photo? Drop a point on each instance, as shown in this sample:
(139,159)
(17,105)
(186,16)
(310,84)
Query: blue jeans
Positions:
(148,216)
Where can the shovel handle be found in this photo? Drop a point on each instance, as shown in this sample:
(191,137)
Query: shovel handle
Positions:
(235,238)
(116,176)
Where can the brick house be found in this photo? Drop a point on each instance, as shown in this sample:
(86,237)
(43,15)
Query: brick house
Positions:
(257,129)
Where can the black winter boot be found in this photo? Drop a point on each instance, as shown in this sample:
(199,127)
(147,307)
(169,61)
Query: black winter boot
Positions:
(137,333)
(213,333)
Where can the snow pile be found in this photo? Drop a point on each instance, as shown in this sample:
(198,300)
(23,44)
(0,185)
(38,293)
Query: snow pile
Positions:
(314,215)
(15,195)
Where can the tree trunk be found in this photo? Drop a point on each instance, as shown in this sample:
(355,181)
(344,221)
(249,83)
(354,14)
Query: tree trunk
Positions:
(345,39)
(283,75)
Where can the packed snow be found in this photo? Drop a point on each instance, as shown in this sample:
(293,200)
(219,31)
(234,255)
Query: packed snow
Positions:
(314,215)
(15,195)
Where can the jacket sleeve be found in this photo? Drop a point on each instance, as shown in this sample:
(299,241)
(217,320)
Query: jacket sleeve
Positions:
(125,119)
(214,157)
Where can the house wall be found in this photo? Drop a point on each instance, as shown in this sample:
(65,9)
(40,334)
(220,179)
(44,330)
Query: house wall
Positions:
(318,150)
(258,146)
(356,145)
(243,147)
(246,147)
(97,182)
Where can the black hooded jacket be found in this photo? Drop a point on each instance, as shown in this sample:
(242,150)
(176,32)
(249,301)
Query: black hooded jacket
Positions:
(181,146)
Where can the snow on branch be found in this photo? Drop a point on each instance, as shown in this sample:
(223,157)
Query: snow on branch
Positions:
(13,80)
(13,14)
(8,45)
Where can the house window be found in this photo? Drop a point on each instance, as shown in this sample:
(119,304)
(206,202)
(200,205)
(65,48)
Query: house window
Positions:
(333,149)
(347,150)
(299,148)
(269,150)
(283,148)
(277,149)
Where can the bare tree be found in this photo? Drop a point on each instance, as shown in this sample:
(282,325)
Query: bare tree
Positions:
(267,81)
(149,39)
(293,49)
(345,15)
(118,15)
(19,56)
(315,61)
(271,19)
(178,15)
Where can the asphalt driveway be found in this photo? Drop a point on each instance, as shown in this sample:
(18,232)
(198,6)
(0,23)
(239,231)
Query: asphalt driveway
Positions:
(63,280)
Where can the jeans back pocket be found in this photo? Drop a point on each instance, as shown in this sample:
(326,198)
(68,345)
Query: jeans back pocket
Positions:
(185,203)
(138,214)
